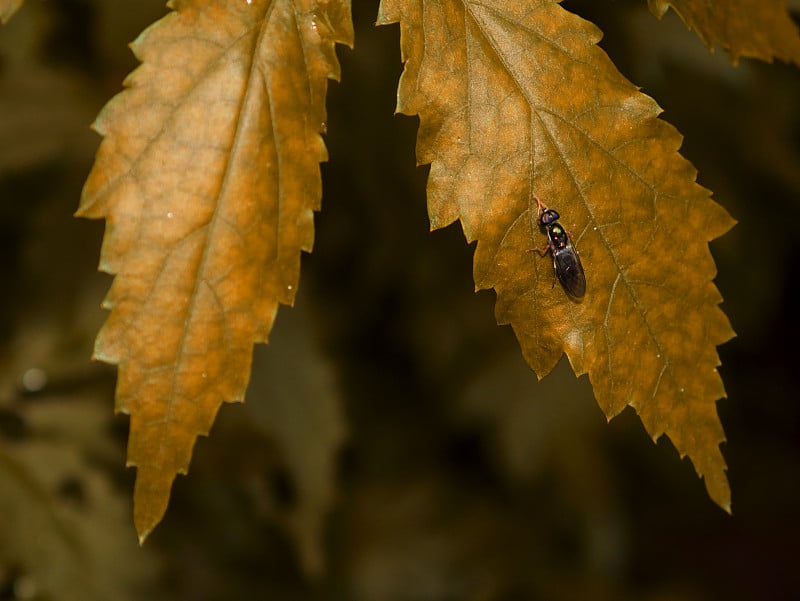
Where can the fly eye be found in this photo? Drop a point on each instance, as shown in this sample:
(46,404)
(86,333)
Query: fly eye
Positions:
(548,217)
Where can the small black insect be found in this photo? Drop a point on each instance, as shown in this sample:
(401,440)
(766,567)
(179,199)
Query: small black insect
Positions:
(566,262)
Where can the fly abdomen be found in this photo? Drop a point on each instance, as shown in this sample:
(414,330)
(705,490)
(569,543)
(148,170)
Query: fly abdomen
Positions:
(569,271)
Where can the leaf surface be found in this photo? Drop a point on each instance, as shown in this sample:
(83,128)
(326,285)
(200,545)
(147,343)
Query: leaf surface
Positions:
(516,99)
(207,177)
(759,29)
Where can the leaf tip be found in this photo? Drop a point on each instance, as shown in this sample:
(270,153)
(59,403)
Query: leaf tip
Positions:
(719,489)
(150,499)
(142,536)
(8,10)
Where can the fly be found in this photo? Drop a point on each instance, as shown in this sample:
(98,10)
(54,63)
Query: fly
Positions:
(566,262)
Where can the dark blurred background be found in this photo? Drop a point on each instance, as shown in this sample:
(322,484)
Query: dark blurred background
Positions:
(394,446)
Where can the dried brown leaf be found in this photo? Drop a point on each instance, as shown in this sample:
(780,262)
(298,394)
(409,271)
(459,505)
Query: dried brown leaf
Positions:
(759,29)
(207,176)
(516,99)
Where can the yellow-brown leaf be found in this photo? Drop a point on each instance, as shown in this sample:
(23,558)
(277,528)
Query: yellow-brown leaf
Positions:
(759,29)
(207,176)
(515,99)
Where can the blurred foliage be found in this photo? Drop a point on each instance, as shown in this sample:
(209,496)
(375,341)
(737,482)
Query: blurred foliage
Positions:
(460,476)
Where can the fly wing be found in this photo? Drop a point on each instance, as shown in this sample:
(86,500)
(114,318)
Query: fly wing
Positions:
(570,271)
